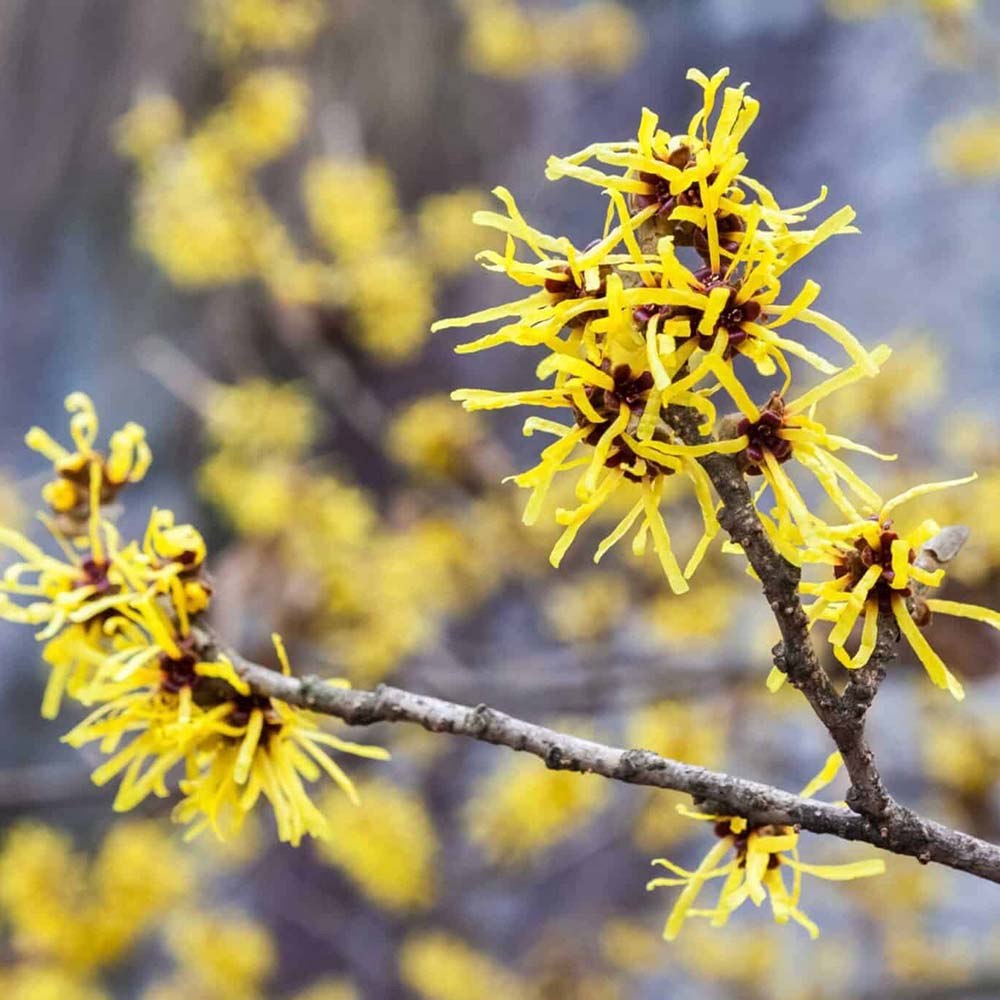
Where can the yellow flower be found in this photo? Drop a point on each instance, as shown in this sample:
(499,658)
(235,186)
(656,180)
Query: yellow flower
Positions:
(235,750)
(760,854)
(913,376)
(631,332)
(522,809)
(610,391)
(150,126)
(440,966)
(969,147)
(694,732)
(329,988)
(700,623)
(915,955)
(447,233)
(257,497)
(225,955)
(79,600)
(857,9)
(46,982)
(351,205)
(961,754)
(122,632)
(679,730)
(587,607)
(84,914)
(391,295)
(262,117)
(388,849)
(507,40)
(199,217)
(234,26)
(425,437)
(782,430)
(86,477)
(874,573)
(257,416)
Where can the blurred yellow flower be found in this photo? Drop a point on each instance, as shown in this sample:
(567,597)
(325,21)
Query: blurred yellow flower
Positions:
(391,294)
(150,126)
(858,9)
(329,988)
(505,39)
(261,118)
(588,606)
(351,205)
(46,982)
(914,955)
(961,753)
(692,732)
(257,416)
(911,377)
(439,966)
(84,914)
(447,233)
(198,219)
(700,623)
(522,809)
(428,436)
(968,148)
(224,955)
(388,849)
(234,26)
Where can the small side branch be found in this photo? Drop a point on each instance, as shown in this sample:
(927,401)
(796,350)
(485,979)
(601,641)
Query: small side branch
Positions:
(795,656)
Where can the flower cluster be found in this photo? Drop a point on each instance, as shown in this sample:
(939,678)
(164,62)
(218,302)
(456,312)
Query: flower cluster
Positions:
(234,27)
(632,335)
(631,331)
(202,215)
(752,861)
(685,298)
(507,39)
(81,915)
(123,633)
(370,587)
(876,571)
(367,848)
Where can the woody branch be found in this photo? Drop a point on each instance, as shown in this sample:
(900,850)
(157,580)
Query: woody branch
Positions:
(901,832)
(843,714)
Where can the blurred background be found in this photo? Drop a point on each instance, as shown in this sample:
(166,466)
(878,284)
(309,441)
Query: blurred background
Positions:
(234,221)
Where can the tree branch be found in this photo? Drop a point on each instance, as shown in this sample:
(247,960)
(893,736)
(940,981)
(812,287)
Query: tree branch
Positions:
(843,716)
(901,832)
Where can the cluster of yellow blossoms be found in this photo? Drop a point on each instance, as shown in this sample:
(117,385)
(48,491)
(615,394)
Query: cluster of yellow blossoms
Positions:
(755,871)
(371,588)
(234,27)
(201,214)
(70,922)
(507,39)
(121,623)
(680,301)
(80,915)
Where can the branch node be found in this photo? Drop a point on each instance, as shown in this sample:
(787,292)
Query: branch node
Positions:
(556,760)
(309,685)
(480,719)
